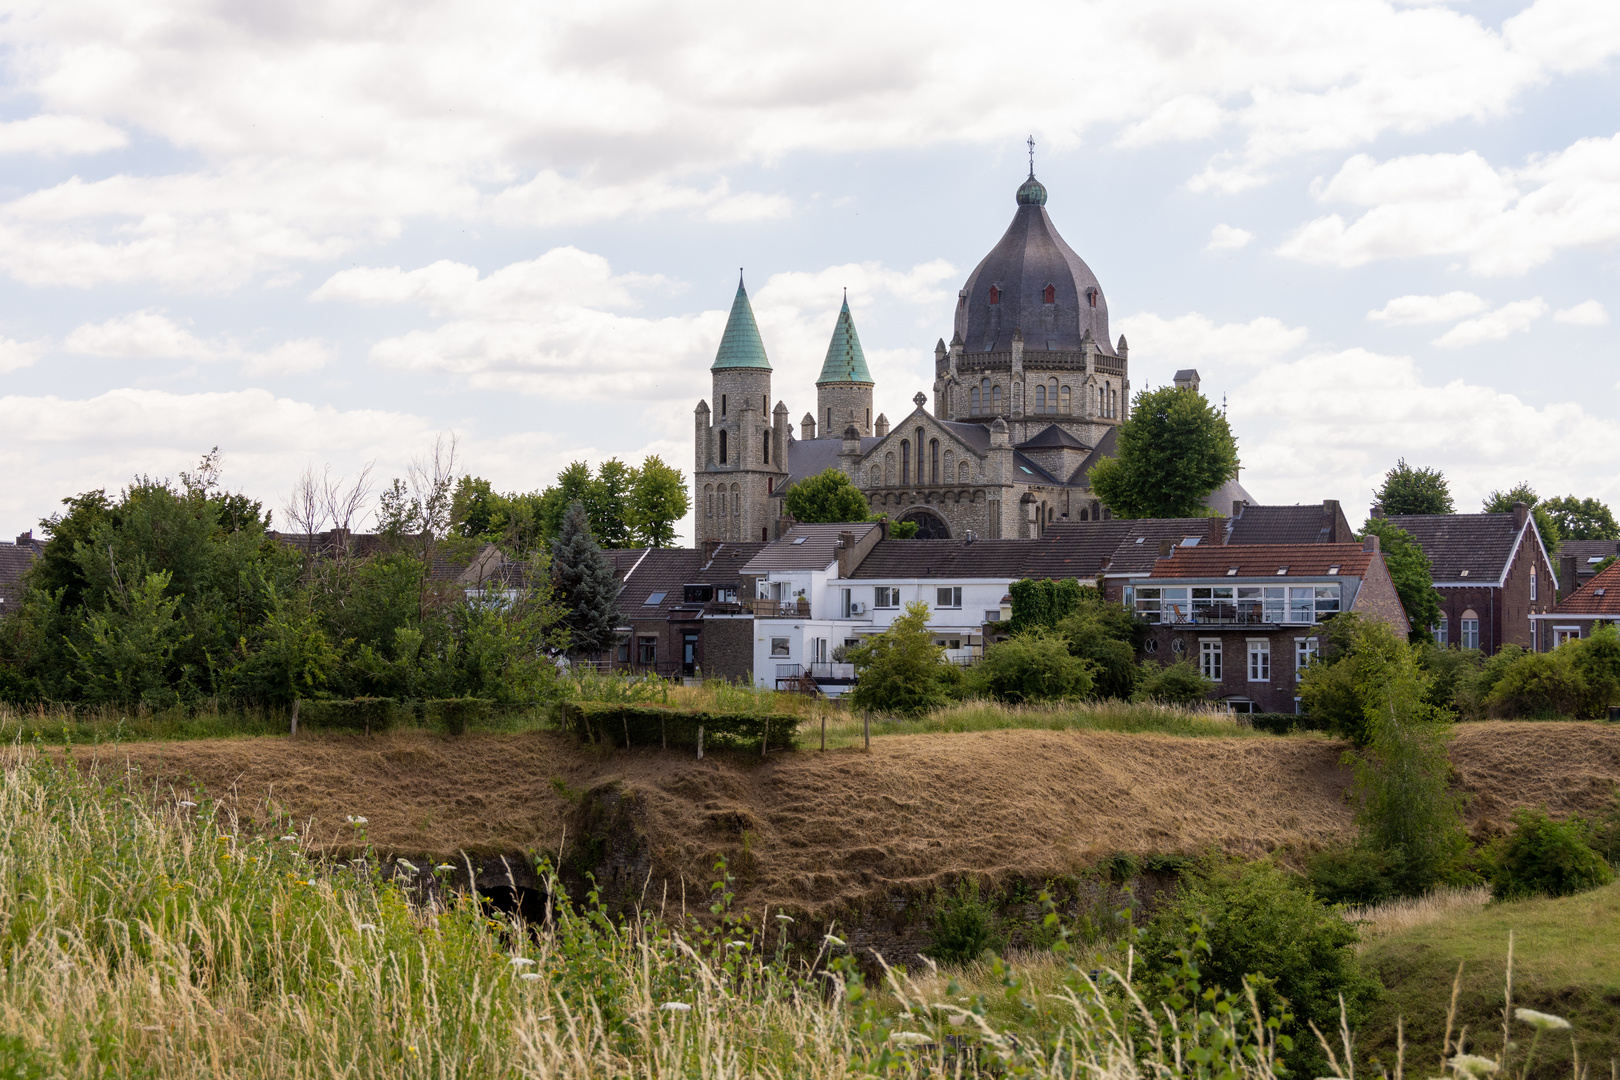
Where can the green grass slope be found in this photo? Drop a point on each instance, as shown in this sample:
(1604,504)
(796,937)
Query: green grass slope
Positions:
(1566,961)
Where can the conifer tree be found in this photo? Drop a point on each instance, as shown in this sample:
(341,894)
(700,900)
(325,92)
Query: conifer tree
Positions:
(584,583)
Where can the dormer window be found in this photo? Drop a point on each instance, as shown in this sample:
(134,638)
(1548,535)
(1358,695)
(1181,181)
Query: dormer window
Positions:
(1049,296)
(995,295)
(1091,296)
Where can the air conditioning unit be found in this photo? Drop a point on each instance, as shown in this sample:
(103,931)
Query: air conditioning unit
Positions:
(857,608)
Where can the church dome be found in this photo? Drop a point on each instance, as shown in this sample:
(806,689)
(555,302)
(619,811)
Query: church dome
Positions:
(1032,281)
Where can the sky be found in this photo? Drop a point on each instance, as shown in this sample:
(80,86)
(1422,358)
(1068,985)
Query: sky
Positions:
(325,235)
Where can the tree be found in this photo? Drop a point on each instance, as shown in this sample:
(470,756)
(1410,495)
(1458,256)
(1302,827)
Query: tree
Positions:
(1035,666)
(1409,490)
(1173,451)
(477,512)
(826,497)
(1582,519)
(1412,573)
(1501,502)
(611,503)
(584,584)
(657,501)
(899,671)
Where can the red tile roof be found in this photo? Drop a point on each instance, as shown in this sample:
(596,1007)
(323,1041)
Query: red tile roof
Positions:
(1263,560)
(1599,596)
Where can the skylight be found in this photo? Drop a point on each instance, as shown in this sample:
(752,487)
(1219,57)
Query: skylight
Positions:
(800,539)
(655,599)
(1232,572)
(1594,559)
(1027,469)
(1332,571)
(1462,573)
(1599,592)
(1139,539)
(1281,571)
(1191,541)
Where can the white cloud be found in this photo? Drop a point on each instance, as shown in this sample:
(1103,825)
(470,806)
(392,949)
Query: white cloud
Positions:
(1505,221)
(1407,310)
(151,334)
(1512,318)
(1228,238)
(16,355)
(1194,338)
(52,135)
(1586,313)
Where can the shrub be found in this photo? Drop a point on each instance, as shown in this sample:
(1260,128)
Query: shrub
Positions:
(1543,857)
(452,715)
(1180,683)
(1452,672)
(1033,666)
(1260,922)
(899,671)
(1352,875)
(364,714)
(1597,658)
(1539,685)
(1045,603)
(963,926)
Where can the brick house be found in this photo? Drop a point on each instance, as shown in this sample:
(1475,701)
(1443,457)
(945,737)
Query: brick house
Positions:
(1492,574)
(1250,615)
(15,559)
(1594,604)
(682,614)
(1578,561)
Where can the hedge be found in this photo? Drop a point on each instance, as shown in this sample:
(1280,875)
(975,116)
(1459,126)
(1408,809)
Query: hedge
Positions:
(367,714)
(620,724)
(1282,723)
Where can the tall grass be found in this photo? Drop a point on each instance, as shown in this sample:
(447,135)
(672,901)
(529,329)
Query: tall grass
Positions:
(848,729)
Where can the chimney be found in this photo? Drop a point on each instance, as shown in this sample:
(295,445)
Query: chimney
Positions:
(1166,547)
(1370,543)
(846,548)
(710,547)
(1521,511)
(26,538)
(1217,531)
(1330,521)
(1106,559)
(1237,507)
(1568,569)
(1377,511)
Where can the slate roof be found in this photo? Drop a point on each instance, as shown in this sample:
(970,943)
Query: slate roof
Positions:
(1600,596)
(1588,553)
(1107,446)
(1029,257)
(817,552)
(664,573)
(845,362)
(1061,553)
(1034,472)
(1306,524)
(1463,548)
(741,345)
(975,435)
(807,457)
(1264,560)
(1053,437)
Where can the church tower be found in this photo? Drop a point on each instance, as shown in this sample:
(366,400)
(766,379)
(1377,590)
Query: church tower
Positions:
(740,451)
(844,390)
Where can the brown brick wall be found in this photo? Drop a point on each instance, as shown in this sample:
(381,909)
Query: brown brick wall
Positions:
(727,648)
(1378,600)
(1275,694)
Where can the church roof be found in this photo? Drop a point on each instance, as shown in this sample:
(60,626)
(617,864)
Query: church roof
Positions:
(811,457)
(1030,257)
(845,362)
(1052,438)
(740,345)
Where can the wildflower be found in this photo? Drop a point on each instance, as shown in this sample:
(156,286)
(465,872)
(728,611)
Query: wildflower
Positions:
(187,803)
(834,941)
(366,927)
(784,918)
(909,1038)
(444,866)
(291,836)
(1542,1021)
(529,976)
(736,944)
(354,820)
(521,961)
(409,866)
(1473,1064)
(675,1007)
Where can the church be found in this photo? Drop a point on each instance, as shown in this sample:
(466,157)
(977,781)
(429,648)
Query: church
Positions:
(1027,397)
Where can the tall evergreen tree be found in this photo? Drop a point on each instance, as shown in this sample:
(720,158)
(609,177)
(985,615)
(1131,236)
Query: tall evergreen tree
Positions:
(1409,490)
(584,583)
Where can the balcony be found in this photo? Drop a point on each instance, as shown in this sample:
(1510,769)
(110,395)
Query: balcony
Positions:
(1236,615)
(779,609)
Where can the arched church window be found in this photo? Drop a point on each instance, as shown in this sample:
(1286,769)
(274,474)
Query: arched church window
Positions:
(736,500)
(888,469)
(995,396)
(1040,399)
(933,461)
(722,446)
(1063,398)
(973,401)
(708,498)
(905,461)
(962,472)
(875,476)
(1085,515)
(1050,295)
(995,295)
(722,404)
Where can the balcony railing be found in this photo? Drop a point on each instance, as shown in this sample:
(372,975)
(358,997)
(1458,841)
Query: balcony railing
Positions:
(779,609)
(1236,615)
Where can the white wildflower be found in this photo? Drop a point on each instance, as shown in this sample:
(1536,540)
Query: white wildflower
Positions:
(291,836)
(444,866)
(834,941)
(521,961)
(187,803)
(1542,1021)
(909,1038)
(676,1007)
(736,944)
(1474,1065)
(367,928)
(784,918)
(409,866)
(529,976)
(355,820)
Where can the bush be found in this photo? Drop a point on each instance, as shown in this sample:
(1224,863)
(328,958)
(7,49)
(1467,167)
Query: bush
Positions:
(899,671)
(1037,604)
(452,715)
(1543,857)
(1539,686)
(1597,658)
(620,724)
(364,714)
(964,926)
(1353,875)
(1032,666)
(1258,921)
(1180,683)
(1452,673)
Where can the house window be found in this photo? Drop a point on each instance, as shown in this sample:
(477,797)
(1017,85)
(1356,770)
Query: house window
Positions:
(1064,398)
(722,447)
(1305,650)
(884,596)
(726,594)
(995,295)
(1564,634)
(1259,661)
(992,616)
(624,650)
(1470,632)
(647,650)
(1209,659)
(1532,584)
(779,647)
(948,597)
(1439,630)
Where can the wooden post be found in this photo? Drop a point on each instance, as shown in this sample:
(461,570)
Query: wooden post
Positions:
(626,720)
(866,728)
(700,742)
(824,731)
(764,736)
(295,719)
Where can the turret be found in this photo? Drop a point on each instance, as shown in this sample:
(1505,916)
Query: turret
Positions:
(880,427)
(807,427)
(844,389)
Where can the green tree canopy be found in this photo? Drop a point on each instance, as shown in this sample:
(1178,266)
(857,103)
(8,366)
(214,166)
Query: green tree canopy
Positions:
(1582,519)
(1501,502)
(826,497)
(899,671)
(1173,451)
(1409,490)
(1412,572)
(584,584)
(658,500)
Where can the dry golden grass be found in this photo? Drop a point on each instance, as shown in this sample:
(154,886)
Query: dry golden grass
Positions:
(1396,916)
(1570,768)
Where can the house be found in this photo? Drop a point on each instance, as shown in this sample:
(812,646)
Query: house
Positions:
(1594,604)
(15,559)
(1578,561)
(1492,573)
(682,615)
(1250,616)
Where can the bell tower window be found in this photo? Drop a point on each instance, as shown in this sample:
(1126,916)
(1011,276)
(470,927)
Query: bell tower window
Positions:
(722,447)
(1050,295)
(765,446)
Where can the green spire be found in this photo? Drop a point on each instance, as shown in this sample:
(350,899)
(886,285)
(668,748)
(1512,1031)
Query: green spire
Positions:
(740,345)
(845,361)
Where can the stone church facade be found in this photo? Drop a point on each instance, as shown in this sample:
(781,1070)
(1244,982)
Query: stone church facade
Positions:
(1027,397)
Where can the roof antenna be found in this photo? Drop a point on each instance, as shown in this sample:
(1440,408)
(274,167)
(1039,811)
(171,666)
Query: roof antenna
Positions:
(1223,404)
(1031,141)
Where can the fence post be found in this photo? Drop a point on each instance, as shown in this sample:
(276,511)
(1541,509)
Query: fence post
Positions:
(824,731)
(295,719)
(700,742)
(866,728)
(764,736)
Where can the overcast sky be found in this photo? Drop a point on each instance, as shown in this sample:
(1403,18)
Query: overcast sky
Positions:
(321,233)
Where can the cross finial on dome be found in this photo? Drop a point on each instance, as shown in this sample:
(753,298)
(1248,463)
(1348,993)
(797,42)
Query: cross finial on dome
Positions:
(1031,141)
